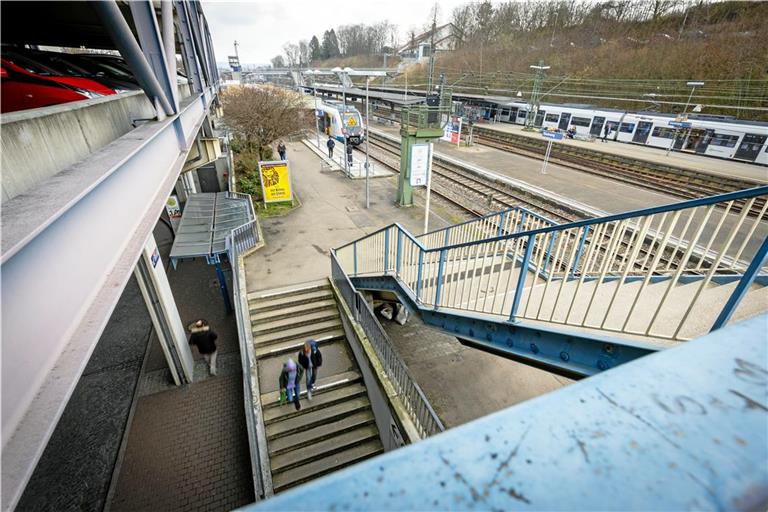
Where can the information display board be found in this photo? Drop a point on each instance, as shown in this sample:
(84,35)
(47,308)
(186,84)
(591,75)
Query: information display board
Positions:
(275,181)
(419,164)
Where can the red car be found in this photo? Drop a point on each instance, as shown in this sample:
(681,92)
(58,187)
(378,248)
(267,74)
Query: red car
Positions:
(27,84)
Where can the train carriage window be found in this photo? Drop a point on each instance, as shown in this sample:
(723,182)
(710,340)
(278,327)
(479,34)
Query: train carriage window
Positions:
(663,133)
(521,114)
(552,118)
(627,127)
(720,139)
(581,121)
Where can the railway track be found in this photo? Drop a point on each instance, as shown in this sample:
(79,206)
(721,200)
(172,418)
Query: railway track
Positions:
(665,179)
(480,196)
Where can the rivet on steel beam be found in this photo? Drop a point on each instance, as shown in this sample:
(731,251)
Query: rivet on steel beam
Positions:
(602,365)
(534,348)
(608,348)
(564,356)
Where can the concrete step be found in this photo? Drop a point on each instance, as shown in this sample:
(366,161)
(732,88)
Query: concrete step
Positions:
(277,298)
(319,401)
(293,346)
(317,417)
(297,320)
(334,462)
(337,359)
(320,433)
(291,311)
(322,449)
(303,332)
(322,385)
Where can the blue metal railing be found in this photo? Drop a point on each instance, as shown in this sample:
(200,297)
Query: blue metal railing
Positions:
(646,272)
(418,407)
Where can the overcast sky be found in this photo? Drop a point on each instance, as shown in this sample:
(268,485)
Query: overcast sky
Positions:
(261,27)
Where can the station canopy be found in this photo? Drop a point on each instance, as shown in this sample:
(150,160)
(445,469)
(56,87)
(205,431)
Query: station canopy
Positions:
(207,220)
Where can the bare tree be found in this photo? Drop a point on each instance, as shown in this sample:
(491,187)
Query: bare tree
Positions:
(292,54)
(278,61)
(261,115)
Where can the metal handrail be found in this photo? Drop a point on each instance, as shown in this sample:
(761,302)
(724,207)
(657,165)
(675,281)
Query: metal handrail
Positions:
(419,409)
(240,239)
(566,265)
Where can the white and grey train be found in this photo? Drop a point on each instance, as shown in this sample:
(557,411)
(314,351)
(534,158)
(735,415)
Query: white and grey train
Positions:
(717,136)
(329,117)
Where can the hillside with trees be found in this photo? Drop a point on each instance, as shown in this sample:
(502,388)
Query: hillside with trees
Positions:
(603,53)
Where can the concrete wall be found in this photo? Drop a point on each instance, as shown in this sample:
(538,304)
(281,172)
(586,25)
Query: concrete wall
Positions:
(38,143)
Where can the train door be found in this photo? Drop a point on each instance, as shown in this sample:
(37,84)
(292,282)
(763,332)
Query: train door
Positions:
(597,126)
(539,118)
(642,132)
(680,138)
(750,147)
(565,119)
(694,137)
(703,144)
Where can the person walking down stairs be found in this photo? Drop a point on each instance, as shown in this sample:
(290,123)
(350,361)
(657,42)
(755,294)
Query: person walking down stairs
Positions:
(310,360)
(290,382)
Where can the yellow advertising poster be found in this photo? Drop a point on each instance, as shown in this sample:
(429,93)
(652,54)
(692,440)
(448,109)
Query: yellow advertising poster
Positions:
(275,181)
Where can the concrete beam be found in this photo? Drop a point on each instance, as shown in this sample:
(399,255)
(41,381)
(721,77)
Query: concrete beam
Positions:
(682,429)
(68,248)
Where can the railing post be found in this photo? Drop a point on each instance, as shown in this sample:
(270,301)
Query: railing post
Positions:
(521,278)
(440,269)
(447,234)
(502,220)
(549,253)
(741,289)
(354,258)
(579,250)
(386,250)
(418,275)
(523,217)
(398,263)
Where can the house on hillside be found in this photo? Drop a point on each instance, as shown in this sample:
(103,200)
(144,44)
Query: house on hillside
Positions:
(419,47)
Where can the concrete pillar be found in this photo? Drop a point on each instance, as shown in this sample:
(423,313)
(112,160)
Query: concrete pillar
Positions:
(153,282)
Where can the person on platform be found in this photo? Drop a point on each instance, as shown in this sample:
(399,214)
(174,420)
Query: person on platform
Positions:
(349,151)
(571,132)
(606,131)
(331,144)
(281,149)
(205,339)
(310,358)
(290,382)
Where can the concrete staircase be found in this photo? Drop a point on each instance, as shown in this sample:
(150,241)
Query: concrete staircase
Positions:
(336,428)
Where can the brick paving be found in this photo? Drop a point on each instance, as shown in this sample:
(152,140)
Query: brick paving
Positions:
(189,450)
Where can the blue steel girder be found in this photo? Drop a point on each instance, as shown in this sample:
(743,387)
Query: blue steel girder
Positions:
(568,352)
(68,249)
(682,429)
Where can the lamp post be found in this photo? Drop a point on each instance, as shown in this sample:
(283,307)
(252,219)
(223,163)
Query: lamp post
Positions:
(367,162)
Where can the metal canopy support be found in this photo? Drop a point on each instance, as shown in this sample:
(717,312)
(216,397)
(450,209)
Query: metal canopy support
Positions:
(683,429)
(194,24)
(145,21)
(191,63)
(123,38)
(169,47)
(153,282)
(69,247)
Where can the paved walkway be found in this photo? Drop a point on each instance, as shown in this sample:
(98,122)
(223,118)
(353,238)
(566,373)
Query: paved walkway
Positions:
(332,214)
(187,447)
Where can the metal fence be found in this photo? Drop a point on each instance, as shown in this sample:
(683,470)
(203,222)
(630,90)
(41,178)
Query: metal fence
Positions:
(641,272)
(423,416)
(239,240)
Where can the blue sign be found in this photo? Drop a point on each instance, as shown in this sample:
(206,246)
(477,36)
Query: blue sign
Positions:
(680,124)
(552,135)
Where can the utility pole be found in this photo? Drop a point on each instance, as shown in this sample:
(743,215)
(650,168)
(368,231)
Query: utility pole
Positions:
(432,51)
(367,162)
(530,118)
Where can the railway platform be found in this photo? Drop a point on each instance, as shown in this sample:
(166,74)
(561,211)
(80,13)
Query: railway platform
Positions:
(684,160)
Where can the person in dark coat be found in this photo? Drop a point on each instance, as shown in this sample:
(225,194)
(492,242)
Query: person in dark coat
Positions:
(290,381)
(349,151)
(606,131)
(331,144)
(205,339)
(281,150)
(310,359)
